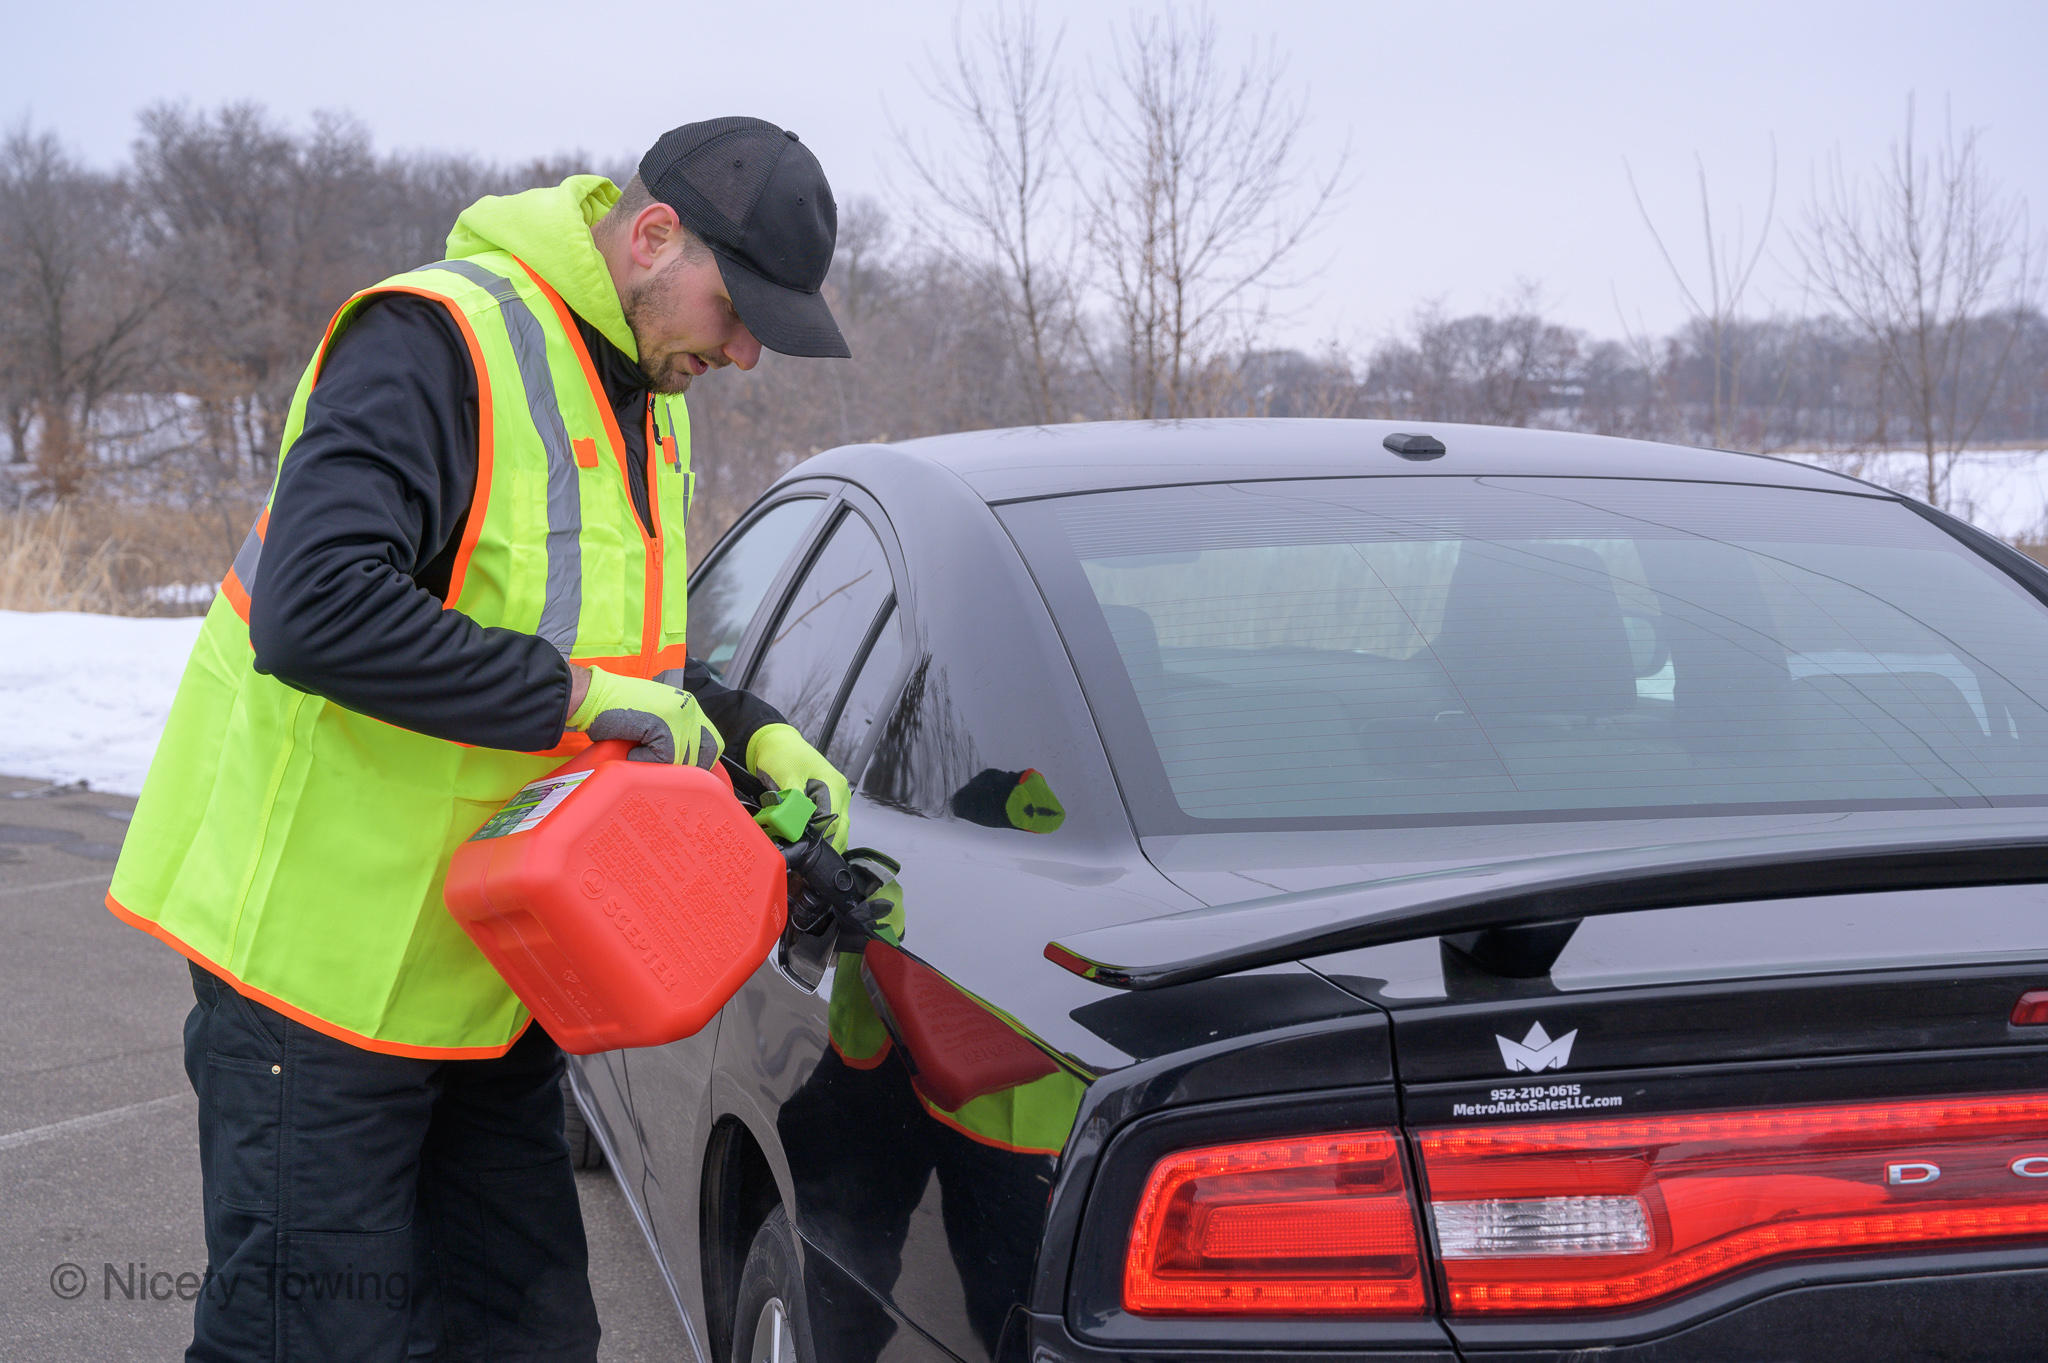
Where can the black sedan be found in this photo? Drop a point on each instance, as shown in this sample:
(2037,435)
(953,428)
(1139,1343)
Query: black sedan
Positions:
(1423,893)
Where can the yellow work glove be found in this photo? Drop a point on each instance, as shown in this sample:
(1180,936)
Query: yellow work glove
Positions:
(778,755)
(663,723)
(889,921)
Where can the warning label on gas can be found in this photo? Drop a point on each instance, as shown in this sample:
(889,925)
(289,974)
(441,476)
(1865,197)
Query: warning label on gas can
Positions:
(532,804)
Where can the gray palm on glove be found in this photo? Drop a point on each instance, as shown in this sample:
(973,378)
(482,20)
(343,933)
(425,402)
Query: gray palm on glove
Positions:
(664,723)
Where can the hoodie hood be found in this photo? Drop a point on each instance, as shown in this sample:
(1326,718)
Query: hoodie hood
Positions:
(549,229)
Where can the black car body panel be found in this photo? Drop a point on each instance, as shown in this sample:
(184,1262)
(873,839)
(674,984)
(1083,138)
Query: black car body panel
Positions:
(926,1235)
(1858,853)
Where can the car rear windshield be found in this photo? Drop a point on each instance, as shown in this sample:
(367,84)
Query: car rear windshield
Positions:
(1449,650)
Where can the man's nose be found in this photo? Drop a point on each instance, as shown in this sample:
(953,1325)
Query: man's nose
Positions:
(743,350)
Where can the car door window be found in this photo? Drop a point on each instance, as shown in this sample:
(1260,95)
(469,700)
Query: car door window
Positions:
(866,697)
(829,615)
(725,596)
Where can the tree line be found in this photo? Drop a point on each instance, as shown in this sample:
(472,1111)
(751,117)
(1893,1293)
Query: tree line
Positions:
(1058,249)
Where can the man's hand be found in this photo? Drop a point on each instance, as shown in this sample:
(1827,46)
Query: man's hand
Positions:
(663,723)
(780,757)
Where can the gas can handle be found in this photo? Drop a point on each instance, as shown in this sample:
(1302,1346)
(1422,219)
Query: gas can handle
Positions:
(610,750)
(615,750)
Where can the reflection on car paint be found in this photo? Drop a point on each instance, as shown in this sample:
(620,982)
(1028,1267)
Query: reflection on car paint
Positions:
(996,1109)
(1022,800)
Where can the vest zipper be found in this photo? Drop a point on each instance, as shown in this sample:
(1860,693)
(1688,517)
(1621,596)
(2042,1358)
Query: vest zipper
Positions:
(650,627)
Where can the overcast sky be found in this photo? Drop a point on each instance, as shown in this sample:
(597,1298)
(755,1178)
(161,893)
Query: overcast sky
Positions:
(1488,139)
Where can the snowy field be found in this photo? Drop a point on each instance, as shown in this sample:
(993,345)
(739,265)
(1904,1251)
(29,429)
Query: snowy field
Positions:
(86,695)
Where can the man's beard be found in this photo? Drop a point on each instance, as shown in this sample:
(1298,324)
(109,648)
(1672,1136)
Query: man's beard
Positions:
(673,376)
(672,379)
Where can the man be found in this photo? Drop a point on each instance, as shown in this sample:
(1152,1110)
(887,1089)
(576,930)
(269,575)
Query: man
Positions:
(472,563)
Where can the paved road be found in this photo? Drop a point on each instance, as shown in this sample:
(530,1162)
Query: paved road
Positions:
(99,1160)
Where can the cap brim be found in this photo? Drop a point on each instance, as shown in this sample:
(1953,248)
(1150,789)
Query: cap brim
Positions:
(786,321)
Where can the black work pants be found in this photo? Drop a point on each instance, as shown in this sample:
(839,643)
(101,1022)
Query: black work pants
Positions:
(370,1206)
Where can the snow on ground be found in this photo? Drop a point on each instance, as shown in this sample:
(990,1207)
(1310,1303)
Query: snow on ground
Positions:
(86,695)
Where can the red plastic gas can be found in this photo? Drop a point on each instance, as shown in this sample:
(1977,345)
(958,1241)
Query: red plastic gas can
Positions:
(624,902)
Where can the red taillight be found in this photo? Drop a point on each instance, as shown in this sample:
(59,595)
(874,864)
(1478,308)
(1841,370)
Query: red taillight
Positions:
(1584,1215)
(2032,1009)
(1311,1226)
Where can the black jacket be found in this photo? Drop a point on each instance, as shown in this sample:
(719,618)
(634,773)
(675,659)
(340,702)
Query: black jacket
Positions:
(364,527)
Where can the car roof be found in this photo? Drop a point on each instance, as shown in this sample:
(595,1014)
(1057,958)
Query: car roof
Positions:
(1043,461)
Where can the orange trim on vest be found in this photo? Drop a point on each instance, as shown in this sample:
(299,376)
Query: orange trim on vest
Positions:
(231,588)
(573,741)
(300,1015)
(661,660)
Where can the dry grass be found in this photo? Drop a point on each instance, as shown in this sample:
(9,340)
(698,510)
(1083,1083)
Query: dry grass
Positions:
(45,565)
(114,558)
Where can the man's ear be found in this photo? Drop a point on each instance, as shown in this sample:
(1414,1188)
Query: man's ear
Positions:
(655,231)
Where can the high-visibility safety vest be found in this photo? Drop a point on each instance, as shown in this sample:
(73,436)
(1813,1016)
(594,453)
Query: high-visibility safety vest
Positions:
(297,848)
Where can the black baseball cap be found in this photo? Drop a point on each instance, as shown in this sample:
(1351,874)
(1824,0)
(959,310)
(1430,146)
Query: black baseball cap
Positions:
(758,199)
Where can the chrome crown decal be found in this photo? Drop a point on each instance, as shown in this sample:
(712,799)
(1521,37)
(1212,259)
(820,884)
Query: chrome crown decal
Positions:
(1537,1051)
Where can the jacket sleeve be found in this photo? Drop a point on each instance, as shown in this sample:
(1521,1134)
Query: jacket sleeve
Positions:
(364,526)
(738,714)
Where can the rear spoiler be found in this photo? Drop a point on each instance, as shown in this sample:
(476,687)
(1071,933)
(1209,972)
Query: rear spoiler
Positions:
(1546,897)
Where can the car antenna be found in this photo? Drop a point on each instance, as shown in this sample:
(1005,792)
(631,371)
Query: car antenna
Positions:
(1414,446)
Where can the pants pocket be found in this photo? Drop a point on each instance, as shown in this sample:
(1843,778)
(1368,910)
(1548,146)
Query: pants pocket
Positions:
(345,1294)
(241,1105)
(255,1018)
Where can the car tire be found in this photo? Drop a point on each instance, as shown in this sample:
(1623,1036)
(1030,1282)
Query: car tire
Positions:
(768,1323)
(584,1151)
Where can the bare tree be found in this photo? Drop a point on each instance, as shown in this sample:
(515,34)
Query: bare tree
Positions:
(261,227)
(1001,87)
(1932,261)
(1501,369)
(1199,200)
(1715,306)
(79,301)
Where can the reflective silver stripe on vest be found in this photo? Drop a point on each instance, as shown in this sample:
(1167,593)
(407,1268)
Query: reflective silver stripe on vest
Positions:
(247,557)
(564,601)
